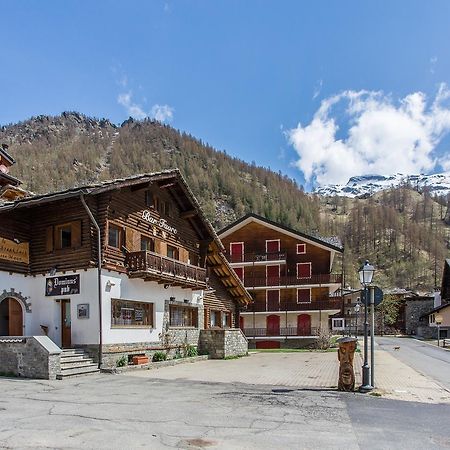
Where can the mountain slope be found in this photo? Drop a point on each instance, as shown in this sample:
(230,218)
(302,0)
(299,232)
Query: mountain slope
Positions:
(402,231)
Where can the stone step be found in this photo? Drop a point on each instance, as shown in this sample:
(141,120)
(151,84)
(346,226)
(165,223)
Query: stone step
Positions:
(73,358)
(72,351)
(78,364)
(78,371)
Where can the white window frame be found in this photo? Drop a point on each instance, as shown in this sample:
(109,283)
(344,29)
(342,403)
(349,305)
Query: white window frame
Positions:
(274,240)
(310,271)
(303,289)
(243,272)
(267,298)
(302,252)
(243,250)
(279,270)
(334,320)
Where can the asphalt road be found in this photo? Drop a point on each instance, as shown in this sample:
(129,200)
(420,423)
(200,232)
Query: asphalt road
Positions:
(429,360)
(122,412)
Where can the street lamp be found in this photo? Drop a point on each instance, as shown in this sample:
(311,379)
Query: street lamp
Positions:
(365,277)
(438,320)
(357,308)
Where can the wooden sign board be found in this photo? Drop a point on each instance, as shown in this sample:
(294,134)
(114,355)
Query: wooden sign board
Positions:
(13,252)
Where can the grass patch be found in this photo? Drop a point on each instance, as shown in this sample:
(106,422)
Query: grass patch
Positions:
(375,394)
(234,357)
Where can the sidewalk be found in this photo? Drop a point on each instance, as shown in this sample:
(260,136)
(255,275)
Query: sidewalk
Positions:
(393,379)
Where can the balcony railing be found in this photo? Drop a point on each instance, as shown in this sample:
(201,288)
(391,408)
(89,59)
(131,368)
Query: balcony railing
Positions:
(257,257)
(292,305)
(151,265)
(283,331)
(321,278)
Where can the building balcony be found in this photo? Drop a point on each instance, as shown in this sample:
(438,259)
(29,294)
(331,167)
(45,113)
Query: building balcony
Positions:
(282,281)
(292,305)
(154,267)
(248,259)
(282,332)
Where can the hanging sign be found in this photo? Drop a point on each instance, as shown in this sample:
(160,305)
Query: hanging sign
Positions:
(160,223)
(11,251)
(65,285)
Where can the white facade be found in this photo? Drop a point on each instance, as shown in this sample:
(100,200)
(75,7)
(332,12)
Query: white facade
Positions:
(46,311)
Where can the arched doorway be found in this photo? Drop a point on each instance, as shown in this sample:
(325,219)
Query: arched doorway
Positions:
(304,325)
(273,325)
(11,317)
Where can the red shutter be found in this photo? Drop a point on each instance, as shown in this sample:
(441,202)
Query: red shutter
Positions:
(239,272)
(273,300)
(303,295)
(237,251)
(272,246)
(273,275)
(303,270)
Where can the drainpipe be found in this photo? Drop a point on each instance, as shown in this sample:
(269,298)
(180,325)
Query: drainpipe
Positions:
(99,278)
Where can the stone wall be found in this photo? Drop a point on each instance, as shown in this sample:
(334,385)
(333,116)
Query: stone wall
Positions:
(307,343)
(414,309)
(223,343)
(29,357)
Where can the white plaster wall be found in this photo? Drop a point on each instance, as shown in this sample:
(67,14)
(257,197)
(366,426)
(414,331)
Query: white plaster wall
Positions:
(47,311)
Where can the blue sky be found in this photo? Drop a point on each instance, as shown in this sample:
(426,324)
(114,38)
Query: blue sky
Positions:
(241,75)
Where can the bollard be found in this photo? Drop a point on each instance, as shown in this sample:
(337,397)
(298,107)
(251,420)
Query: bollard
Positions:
(346,353)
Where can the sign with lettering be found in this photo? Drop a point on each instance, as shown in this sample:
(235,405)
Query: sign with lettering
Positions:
(64,285)
(14,252)
(160,223)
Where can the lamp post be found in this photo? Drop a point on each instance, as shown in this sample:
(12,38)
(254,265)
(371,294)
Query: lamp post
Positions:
(365,277)
(438,320)
(357,308)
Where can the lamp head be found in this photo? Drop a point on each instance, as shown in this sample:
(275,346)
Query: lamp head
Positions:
(366,273)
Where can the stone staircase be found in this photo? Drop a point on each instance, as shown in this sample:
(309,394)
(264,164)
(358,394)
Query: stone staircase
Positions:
(75,362)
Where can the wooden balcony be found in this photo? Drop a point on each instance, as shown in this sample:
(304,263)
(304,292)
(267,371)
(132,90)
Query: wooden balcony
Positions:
(257,258)
(282,281)
(283,332)
(292,305)
(154,267)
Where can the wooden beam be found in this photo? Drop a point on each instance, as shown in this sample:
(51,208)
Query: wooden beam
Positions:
(166,185)
(188,214)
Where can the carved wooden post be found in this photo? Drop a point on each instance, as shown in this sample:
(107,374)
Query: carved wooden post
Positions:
(346,352)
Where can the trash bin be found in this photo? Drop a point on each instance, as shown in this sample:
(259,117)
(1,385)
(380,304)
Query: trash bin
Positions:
(346,353)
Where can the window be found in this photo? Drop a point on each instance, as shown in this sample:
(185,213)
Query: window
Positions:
(153,201)
(147,244)
(338,324)
(239,272)
(226,319)
(183,316)
(115,236)
(149,199)
(237,251)
(273,246)
(301,249)
(64,236)
(172,252)
(215,319)
(127,313)
(303,270)
(303,295)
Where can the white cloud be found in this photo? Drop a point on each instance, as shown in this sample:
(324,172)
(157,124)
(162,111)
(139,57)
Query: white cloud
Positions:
(433,62)
(317,89)
(133,109)
(162,113)
(383,136)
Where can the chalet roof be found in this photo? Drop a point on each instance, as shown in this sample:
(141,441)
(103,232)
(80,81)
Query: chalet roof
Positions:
(333,243)
(6,155)
(6,178)
(119,183)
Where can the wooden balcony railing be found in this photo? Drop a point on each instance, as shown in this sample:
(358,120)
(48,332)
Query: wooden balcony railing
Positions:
(292,305)
(321,278)
(283,331)
(257,257)
(146,264)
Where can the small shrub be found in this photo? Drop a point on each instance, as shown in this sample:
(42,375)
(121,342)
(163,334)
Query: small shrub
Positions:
(190,351)
(323,339)
(122,361)
(178,354)
(159,356)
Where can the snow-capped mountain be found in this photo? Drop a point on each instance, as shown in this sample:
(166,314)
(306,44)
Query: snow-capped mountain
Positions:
(366,185)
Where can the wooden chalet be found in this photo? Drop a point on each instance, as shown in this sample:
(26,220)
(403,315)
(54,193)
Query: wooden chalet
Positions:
(115,267)
(289,275)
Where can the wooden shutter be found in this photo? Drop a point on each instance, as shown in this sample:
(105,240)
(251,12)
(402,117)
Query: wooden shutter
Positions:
(49,239)
(132,240)
(76,234)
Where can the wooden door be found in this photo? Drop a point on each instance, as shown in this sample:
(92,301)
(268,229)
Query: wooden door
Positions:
(273,276)
(241,323)
(273,325)
(273,300)
(304,325)
(66,324)
(237,251)
(15,320)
